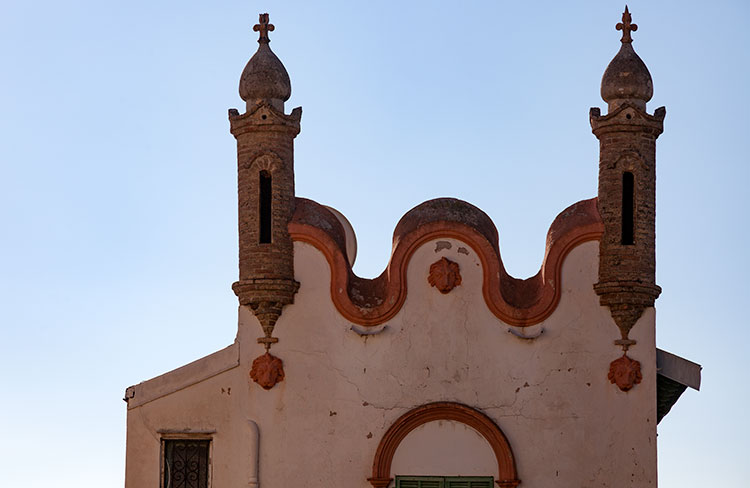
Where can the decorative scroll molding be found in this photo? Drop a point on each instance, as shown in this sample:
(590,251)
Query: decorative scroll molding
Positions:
(370,302)
(506,464)
(444,275)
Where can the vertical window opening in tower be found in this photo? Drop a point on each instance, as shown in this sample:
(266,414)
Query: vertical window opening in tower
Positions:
(628,210)
(265,207)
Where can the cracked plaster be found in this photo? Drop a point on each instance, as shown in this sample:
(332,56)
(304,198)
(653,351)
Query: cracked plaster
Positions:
(566,424)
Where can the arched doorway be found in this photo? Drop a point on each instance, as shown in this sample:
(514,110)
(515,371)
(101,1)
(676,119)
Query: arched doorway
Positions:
(506,476)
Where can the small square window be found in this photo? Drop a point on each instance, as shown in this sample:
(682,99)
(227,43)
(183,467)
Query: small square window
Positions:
(185,463)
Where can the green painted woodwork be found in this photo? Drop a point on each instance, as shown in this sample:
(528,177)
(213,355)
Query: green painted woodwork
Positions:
(444,482)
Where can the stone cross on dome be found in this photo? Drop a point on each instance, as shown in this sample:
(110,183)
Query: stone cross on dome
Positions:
(264,27)
(626,26)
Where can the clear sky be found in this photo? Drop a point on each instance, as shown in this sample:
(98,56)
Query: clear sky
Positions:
(118,185)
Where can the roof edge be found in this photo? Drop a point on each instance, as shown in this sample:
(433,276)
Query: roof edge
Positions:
(678,369)
(183,377)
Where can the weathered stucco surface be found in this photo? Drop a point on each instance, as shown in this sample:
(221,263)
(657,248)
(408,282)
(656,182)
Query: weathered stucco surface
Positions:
(444,448)
(567,425)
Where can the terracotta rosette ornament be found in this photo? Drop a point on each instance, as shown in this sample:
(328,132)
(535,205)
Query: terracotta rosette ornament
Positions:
(625,372)
(444,275)
(267,370)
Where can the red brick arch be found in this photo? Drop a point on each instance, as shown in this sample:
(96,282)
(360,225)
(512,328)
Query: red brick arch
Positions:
(506,464)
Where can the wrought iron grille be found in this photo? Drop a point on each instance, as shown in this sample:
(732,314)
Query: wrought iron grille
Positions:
(185,463)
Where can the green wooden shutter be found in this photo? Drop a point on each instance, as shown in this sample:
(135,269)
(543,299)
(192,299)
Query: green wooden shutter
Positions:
(444,482)
(468,482)
(419,482)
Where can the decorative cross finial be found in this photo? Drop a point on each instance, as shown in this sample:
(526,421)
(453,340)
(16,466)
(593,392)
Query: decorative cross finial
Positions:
(626,26)
(264,28)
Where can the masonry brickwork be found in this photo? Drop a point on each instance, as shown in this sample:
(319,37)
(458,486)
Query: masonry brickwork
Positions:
(627,177)
(265,150)
(265,143)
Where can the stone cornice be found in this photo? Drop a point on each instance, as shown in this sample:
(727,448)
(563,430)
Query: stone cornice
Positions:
(264,117)
(627,118)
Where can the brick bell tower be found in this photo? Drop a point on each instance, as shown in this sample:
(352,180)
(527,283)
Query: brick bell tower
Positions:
(627,187)
(265,163)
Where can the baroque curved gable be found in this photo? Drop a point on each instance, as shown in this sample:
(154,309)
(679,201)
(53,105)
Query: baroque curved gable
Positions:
(518,302)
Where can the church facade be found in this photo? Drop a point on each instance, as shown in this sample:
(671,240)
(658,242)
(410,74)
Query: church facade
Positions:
(444,371)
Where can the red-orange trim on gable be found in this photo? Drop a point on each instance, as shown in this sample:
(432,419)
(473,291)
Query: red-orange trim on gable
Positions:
(516,302)
(506,464)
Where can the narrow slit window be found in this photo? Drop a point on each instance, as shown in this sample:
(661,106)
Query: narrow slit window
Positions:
(265,207)
(628,208)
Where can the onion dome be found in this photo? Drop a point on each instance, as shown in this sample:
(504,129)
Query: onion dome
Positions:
(264,77)
(627,79)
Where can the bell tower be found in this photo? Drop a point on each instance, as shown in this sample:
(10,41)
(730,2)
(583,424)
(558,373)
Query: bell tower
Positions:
(265,166)
(627,186)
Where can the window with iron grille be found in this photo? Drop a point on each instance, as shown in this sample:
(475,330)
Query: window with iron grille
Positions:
(185,463)
(444,481)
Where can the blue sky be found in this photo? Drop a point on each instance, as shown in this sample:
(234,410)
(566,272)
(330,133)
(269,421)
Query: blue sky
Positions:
(118,184)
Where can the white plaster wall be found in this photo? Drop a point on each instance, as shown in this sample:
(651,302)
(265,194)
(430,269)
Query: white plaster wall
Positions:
(214,407)
(444,448)
(567,425)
